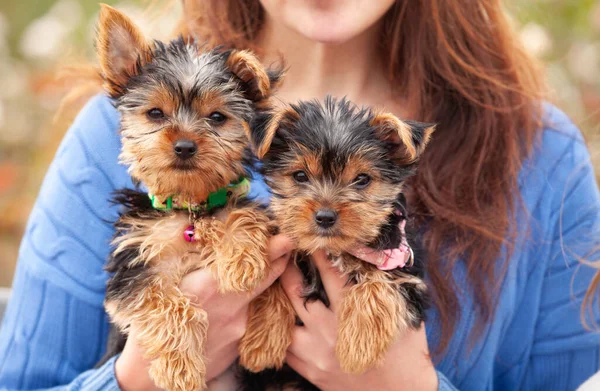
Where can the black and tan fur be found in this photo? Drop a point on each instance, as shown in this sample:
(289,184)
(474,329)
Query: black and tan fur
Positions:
(335,146)
(166,93)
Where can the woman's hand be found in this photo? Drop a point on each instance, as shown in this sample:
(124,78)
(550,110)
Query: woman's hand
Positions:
(227,316)
(407,365)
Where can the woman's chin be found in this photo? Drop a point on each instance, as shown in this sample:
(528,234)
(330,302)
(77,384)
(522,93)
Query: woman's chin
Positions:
(329,35)
(328,22)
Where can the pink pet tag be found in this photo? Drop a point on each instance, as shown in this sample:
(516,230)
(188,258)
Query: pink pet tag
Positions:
(188,234)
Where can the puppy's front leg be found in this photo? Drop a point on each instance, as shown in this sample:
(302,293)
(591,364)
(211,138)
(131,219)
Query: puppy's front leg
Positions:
(241,261)
(370,319)
(269,330)
(170,331)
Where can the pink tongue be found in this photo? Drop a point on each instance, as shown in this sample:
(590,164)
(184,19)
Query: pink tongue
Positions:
(394,258)
(386,259)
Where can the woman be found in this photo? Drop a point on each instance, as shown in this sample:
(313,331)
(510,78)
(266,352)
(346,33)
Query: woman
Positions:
(505,194)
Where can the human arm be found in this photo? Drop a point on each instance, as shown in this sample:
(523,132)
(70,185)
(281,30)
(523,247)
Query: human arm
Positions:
(55,325)
(564,353)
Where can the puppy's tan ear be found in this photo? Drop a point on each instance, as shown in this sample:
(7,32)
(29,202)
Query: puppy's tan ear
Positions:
(408,138)
(265,126)
(261,81)
(121,49)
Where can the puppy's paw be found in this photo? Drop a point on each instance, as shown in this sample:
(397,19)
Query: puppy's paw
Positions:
(242,260)
(361,354)
(172,334)
(241,273)
(369,322)
(179,371)
(257,354)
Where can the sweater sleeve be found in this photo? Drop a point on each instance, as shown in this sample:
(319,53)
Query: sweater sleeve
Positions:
(444,384)
(101,379)
(55,327)
(564,353)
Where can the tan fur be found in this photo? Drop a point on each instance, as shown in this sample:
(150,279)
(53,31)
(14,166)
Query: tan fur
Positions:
(156,239)
(241,250)
(148,145)
(359,223)
(283,114)
(369,321)
(120,44)
(398,131)
(171,333)
(374,310)
(247,67)
(151,157)
(232,243)
(372,314)
(268,331)
(171,330)
(355,166)
(309,163)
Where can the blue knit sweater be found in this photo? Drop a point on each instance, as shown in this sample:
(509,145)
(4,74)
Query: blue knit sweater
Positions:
(55,327)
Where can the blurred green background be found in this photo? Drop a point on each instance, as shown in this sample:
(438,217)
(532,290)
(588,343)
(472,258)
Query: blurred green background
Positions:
(36,36)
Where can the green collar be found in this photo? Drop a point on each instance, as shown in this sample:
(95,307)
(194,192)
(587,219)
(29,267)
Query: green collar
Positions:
(217,199)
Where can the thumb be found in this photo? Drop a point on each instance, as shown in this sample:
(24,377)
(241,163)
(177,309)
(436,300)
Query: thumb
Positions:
(280,250)
(279,245)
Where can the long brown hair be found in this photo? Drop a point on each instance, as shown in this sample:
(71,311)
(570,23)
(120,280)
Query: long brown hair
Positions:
(460,65)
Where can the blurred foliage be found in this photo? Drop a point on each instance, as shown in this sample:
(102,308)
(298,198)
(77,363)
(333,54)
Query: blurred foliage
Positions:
(36,36)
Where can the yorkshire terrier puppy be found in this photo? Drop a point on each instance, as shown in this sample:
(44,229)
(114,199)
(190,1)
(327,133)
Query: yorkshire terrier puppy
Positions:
(337,176)
(184,112)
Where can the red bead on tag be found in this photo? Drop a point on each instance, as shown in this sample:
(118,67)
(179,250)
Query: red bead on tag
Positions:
(188,234)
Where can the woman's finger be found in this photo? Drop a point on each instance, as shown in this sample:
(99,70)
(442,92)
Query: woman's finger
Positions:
(226,381)
(301,343)
(278,266)
(199,286)
(299,365)
(223,360)
(279,251)
(333,281)
(292,284)
(279,245)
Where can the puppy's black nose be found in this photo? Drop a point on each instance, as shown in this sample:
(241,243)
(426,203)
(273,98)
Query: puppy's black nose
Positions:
(185,149)
(326,218)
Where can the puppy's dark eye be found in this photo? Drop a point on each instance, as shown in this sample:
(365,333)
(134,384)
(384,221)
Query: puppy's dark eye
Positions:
(155,114)
(217,117)
(300,177)
(361,181)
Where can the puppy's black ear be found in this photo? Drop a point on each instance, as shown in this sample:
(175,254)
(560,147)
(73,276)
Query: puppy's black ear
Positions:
(121,48)
(408,139)
(261,81)
(265,125)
